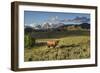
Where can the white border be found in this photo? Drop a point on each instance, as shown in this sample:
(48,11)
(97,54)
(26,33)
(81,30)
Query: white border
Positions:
(33,64)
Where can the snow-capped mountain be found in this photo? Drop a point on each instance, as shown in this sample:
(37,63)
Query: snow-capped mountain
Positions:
(46,25)
(55,22)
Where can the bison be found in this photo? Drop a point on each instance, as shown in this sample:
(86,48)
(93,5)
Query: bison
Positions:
(52,43)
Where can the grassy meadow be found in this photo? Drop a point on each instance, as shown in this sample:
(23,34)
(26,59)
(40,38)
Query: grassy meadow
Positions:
(72,45)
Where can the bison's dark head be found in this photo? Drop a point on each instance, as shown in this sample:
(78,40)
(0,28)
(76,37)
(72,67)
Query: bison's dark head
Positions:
(57,41)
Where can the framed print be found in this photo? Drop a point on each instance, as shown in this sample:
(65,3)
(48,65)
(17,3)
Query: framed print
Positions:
(52,36)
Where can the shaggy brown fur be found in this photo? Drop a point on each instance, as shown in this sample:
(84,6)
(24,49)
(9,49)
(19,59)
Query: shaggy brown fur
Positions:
(52,43)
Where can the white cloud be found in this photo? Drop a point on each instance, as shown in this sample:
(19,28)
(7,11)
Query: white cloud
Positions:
(31,25)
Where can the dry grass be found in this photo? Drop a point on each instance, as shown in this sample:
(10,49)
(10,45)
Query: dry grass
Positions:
(70,47)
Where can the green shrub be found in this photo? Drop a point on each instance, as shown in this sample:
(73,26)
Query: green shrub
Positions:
(29,41)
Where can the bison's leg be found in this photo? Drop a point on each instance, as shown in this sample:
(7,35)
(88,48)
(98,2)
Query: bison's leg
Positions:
(48,46)
(54,46)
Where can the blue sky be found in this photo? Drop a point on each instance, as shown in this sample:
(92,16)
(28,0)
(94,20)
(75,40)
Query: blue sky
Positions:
(37,17)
